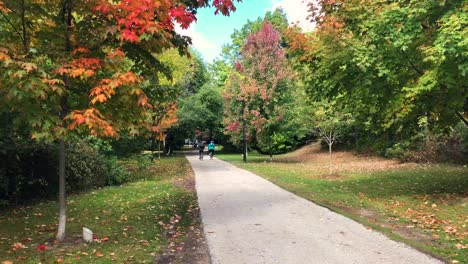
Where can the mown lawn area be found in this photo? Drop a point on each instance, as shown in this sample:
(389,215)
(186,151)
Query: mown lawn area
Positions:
(133,223)
(422,205)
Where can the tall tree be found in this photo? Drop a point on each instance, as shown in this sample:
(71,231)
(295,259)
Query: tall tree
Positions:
(76,67)
(393,64)
(264,88)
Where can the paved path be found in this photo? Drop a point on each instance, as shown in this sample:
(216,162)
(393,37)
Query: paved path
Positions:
(247,219)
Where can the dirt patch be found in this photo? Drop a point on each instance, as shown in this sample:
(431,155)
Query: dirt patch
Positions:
(193,248)
(314,158)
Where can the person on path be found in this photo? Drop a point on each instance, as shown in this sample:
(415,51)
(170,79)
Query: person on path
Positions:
(201,148)
(211,148)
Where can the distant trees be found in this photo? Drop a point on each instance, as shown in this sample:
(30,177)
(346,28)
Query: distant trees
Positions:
(398,67)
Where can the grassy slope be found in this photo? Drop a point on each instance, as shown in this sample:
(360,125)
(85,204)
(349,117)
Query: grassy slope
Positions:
(132,217)
(422,205)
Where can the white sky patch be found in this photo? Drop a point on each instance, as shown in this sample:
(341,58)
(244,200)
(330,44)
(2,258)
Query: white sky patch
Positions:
(199,42)
(297,11)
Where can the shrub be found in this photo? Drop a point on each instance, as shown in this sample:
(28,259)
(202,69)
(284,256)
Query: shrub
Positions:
(437,148)
(85,167)
(115,173)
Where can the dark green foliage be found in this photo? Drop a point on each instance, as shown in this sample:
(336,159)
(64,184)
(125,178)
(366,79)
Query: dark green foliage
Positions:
(430,147)
(84,168)
(28,169)
(202,112)
(115,173)
(128,145)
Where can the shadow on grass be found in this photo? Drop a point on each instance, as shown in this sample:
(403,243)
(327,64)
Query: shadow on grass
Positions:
(406,183)
(256,158)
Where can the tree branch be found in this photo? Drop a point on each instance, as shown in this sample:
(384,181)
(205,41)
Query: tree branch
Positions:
(13,26)
(462,118)
(415,68)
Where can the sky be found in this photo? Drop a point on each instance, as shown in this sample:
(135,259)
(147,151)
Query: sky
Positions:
(211,31)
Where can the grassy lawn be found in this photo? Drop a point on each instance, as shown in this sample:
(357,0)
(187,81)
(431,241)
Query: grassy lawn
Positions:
(422,205)
(133,223)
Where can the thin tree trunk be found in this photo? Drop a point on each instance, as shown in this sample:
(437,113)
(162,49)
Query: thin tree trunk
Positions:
(153,139)
(462,118)
(67,20)
(271,155)
(330,144)
(24,29)
(331,159)
(244,137)
(159,149)
(62,198)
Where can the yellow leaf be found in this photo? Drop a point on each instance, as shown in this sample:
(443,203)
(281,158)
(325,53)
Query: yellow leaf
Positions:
(59,260)
(7,262)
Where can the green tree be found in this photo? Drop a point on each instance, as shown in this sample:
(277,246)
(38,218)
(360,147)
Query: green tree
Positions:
(76,67)
(263,91)
(391,64)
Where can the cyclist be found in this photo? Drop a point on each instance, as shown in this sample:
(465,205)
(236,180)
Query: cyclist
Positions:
(211,148)
(201,148)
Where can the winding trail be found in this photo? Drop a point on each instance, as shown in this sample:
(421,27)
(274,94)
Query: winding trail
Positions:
(247,219)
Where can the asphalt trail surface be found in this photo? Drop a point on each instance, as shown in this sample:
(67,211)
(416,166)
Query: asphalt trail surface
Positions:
(247,219)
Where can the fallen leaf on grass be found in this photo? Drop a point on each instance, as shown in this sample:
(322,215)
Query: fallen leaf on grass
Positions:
(59,260)
(41,247)
(99,254)
(7,262)
(460,246)
(18,245)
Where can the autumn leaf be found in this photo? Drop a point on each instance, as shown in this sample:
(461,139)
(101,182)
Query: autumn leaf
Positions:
(18,245)
(41,247)
(28,66)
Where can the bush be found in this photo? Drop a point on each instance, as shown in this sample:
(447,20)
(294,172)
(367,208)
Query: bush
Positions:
(451,148)
(115,173)
(85,167)
(29,170)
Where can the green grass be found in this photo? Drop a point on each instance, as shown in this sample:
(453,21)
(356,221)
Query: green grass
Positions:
(422,205)
(129,216)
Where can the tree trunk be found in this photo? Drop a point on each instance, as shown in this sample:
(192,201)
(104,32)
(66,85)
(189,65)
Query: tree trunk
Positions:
(159,149)
(244,137)
(153,139)
(271,155)
(67,20)
(62,198)
(331,159)
(24,28)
